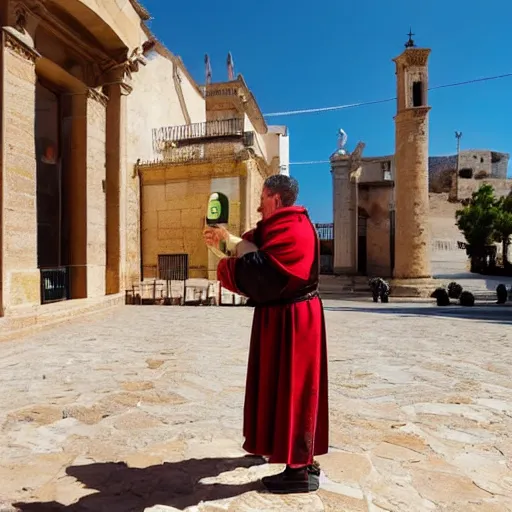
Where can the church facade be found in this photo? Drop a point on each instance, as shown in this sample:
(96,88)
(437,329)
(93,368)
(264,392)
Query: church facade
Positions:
(84,86)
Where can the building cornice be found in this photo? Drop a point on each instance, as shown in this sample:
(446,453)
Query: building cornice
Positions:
(140,10)
(13,40)
(237,92)
(411,114)
(413,57)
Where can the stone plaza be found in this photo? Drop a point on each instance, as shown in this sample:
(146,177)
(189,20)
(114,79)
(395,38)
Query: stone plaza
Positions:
(140,409)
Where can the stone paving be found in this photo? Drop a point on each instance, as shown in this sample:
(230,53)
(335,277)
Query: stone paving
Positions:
(140,409)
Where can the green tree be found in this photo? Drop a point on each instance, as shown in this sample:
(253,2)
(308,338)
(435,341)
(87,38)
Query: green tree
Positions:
(503,225)
(478,221)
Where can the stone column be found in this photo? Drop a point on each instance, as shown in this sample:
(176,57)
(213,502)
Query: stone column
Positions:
(344,205)
(19,274)
(85,193)
(412,234)
(116,160)
(96,192)
(75,206)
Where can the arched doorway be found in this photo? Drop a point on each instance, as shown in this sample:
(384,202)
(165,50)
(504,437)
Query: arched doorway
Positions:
(362,241)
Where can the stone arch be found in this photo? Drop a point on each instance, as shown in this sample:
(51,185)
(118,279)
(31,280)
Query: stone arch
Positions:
(85,45)
(93,20)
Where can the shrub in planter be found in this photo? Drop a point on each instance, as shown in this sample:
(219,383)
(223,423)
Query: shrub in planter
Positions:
(467,299)
(501,293)
(441,296)
(454,290)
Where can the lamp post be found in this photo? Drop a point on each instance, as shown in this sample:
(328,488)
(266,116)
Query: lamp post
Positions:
(458,136)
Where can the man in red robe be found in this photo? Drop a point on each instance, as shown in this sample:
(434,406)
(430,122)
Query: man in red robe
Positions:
(286,404)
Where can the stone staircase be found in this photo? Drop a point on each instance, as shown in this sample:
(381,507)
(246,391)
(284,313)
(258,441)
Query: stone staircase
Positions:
(334,286)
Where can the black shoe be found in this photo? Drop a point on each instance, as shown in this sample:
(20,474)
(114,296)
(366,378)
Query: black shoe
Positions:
(300,480)
(314,469)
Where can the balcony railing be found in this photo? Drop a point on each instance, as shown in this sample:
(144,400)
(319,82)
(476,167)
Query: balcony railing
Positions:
(54,284)
(165,137)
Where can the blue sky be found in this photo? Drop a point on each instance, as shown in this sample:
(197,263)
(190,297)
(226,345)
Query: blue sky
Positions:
(296,55)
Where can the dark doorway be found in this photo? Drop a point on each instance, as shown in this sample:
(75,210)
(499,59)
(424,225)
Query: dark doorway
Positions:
(51,254)
(361,243)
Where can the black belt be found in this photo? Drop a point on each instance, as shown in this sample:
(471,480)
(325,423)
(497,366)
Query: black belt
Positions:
(286,301)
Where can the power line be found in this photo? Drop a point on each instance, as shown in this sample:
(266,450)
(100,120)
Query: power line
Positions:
(311,163)
(375,102)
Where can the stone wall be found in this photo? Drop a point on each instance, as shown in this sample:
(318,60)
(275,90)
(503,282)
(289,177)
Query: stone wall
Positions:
(174,204)
(174,201)
(441,168)
(173,220)
(467,186)
(19,227)
(375,202)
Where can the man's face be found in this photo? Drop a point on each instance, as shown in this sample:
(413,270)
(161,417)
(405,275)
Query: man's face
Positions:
(269,203)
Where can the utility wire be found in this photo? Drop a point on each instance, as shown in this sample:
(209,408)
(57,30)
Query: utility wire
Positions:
(311,163)
(375,102)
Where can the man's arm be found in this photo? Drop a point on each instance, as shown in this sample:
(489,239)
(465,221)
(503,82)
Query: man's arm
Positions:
(257,278)
(252,275)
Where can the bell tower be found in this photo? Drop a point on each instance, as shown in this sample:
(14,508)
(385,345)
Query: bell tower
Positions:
(412,233)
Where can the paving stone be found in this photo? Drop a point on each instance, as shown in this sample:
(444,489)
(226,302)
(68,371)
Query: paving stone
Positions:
(141,409)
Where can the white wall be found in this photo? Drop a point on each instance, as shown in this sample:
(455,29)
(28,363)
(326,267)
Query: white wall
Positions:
(154,103)
(284,155)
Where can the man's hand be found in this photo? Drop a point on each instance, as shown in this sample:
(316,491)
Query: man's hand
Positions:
(214,235)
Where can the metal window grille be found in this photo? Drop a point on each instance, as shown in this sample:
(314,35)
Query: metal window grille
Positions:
(173,267)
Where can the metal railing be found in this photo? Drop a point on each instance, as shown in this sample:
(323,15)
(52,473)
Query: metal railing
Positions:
(325,231)
(164,137)
(54,284)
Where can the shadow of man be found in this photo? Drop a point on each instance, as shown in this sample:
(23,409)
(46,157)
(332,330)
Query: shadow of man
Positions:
(124,489)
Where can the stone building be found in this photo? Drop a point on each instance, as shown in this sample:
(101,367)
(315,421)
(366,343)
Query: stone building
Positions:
(381,203)
(461,174)
(232,152)
(83,86)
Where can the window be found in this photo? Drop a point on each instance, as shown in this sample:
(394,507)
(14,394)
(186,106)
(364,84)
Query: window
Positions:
(417,94)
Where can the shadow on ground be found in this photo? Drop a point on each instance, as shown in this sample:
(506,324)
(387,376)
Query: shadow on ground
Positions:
(496,314)
(120,488)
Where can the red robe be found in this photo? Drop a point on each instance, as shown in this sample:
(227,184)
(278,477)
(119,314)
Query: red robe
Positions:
(286,405)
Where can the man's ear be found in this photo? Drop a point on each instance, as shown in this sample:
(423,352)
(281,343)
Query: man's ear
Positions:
(277,201)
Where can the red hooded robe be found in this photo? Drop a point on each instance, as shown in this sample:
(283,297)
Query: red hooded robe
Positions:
(286,405)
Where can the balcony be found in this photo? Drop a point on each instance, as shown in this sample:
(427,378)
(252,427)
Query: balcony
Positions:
(177,136)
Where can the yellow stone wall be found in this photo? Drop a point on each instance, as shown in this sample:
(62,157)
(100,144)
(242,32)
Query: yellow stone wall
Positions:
(174,201)
(19,229)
